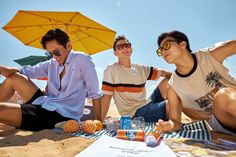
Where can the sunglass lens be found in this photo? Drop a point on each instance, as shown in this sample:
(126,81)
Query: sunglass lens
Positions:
(159,52)
(119,47)
(122,46)
(167,45)
(48,55)
(127,45)
(57,53)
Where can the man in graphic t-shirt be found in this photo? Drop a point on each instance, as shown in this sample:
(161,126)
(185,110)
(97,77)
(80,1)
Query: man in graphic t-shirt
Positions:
(200,86)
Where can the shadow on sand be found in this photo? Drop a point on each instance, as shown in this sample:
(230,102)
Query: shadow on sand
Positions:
(21,138)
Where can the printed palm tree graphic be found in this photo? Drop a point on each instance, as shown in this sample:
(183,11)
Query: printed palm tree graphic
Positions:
(213,79)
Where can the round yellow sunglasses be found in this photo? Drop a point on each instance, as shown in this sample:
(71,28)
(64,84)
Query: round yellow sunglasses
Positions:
(166,46)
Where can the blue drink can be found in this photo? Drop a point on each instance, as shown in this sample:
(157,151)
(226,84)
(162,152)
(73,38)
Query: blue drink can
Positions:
(125,122)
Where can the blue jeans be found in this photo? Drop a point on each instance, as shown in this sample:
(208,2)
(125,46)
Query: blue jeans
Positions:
(155,110)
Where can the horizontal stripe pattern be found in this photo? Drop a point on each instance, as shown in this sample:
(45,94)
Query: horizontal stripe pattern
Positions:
(197,130)
(121,87)
(107,88)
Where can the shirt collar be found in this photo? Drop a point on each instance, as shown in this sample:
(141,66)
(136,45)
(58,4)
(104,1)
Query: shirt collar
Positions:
(69,57)
(193,69)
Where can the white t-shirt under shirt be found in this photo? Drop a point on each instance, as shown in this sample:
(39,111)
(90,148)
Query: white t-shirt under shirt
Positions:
(127,85)
(196,89)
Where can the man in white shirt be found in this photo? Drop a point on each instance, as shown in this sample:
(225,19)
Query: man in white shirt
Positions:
(71,78)
(125,82)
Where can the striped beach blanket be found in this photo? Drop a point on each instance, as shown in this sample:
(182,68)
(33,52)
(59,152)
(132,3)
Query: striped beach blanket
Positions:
(197,130)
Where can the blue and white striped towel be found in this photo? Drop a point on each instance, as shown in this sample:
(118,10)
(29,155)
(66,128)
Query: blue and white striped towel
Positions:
(197,130)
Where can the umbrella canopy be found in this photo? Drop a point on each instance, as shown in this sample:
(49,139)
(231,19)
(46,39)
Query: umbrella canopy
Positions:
(31,60)
(85,34)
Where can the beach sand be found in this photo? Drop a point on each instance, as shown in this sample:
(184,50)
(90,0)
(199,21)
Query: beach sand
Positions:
(17,143)
(42,144)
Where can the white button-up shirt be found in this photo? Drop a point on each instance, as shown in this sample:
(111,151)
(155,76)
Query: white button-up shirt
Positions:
(68,95)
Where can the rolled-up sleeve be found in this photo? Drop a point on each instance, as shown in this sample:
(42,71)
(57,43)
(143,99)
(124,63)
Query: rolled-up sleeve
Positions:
(37,71)
(90,77)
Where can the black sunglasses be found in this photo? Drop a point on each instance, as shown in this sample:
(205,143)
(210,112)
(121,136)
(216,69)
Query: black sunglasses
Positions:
(55,53)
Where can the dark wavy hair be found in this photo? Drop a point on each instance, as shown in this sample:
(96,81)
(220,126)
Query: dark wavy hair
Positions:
(55,34)
(176,35)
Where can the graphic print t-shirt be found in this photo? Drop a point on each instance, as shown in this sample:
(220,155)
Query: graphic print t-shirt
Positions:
(197,90)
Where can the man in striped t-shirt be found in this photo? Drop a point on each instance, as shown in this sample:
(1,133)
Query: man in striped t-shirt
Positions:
(125,82)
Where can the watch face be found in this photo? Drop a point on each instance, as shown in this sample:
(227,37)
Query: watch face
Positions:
(88,113)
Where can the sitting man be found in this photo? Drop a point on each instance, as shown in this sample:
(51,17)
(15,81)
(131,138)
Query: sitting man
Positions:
(125,82)
(201,86)
(71,78)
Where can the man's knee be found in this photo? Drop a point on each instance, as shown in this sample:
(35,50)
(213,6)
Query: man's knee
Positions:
(224,99)
(16,78)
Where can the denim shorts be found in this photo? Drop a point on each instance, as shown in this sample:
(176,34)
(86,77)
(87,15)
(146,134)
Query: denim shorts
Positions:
(155,110)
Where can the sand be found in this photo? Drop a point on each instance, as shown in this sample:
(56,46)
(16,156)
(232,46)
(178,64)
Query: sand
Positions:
(42,143)
(19,143)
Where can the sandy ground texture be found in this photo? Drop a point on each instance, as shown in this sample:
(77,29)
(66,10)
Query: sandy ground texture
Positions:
(19,143)
(42,144)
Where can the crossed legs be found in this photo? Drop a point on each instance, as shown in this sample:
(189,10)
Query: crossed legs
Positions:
(11,113)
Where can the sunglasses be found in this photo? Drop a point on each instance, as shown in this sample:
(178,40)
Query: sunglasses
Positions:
(166,46)
(55,53)
(122,46)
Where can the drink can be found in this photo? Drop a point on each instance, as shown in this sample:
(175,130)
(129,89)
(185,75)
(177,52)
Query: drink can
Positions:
(125,122)
(134,135)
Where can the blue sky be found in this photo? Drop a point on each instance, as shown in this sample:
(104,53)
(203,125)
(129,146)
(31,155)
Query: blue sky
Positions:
(206,22)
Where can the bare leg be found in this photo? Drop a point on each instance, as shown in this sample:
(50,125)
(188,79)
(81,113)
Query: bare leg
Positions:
(10,114)
(20,83)
(162,87)
(225,107)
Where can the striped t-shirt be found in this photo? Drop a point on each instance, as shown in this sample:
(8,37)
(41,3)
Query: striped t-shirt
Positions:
(127,86)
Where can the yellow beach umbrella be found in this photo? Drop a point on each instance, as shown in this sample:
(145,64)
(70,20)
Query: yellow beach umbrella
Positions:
(85,34)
